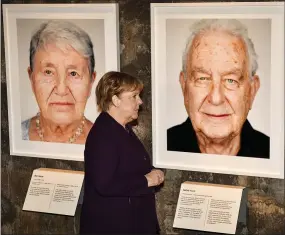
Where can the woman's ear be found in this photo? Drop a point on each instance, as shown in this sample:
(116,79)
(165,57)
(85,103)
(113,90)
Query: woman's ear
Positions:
(116,101)
(93,78)
(30,73)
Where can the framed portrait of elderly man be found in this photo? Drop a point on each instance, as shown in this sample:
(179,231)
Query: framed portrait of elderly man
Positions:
(55,56)
(218,87)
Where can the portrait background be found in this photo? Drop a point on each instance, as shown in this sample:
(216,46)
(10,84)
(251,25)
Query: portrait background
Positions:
(25,29)
(177,32)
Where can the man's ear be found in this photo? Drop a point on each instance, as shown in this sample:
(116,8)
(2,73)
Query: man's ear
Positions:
(182,80)
(116,101)
(255,84)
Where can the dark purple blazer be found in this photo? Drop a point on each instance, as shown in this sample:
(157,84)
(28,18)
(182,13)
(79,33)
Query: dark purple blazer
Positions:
(116,196)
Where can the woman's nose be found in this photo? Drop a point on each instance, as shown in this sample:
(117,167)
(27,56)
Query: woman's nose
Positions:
(61,87)
(140,101)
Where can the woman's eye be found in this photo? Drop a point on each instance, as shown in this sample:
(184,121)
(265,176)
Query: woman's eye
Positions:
(73,73)
(47,72)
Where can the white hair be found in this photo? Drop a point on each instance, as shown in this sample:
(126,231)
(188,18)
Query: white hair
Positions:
(62,33)
(232,26)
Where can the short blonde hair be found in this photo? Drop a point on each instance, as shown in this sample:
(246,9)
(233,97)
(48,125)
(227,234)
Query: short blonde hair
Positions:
(115,83)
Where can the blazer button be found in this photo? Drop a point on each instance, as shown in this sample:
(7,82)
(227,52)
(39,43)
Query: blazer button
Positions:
(144,157)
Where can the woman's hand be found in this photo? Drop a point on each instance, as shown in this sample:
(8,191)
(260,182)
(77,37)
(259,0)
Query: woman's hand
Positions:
(154,178)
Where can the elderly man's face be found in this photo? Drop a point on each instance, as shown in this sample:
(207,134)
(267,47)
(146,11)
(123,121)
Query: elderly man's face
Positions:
(218,92)
(61,84)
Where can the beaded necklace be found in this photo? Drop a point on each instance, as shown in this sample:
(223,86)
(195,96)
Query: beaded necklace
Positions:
(71,139)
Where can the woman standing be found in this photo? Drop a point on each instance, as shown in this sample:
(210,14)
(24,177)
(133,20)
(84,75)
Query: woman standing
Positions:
(119,178)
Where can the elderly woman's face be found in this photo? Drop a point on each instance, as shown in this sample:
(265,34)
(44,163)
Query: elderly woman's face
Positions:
(61,83)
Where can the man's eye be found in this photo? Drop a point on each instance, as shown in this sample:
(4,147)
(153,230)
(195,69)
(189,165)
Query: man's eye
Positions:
(231,83)
(202,81)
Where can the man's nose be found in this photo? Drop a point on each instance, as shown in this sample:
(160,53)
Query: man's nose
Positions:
(216,95)
(61,86)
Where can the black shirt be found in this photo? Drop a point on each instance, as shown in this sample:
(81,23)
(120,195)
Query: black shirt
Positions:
(182,138)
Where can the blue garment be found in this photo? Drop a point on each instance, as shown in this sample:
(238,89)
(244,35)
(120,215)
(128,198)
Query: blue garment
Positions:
(117,198)
(25,129)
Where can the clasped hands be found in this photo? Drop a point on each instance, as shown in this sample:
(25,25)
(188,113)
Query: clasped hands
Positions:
(155,177)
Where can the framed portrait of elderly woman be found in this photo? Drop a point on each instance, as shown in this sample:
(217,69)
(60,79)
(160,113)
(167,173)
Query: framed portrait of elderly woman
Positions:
(55,56)
(218,87)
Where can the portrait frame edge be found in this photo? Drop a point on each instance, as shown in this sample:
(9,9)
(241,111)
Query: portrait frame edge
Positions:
(272,167)
(108,12)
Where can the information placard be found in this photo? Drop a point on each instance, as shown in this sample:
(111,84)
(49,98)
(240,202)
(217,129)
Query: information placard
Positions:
(54,191)
(208,207)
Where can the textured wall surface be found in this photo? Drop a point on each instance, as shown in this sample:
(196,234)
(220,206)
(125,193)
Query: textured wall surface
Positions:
(265,198)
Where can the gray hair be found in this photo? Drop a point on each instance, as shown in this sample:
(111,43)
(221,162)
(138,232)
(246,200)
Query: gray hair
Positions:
(62,33)
(232,26)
